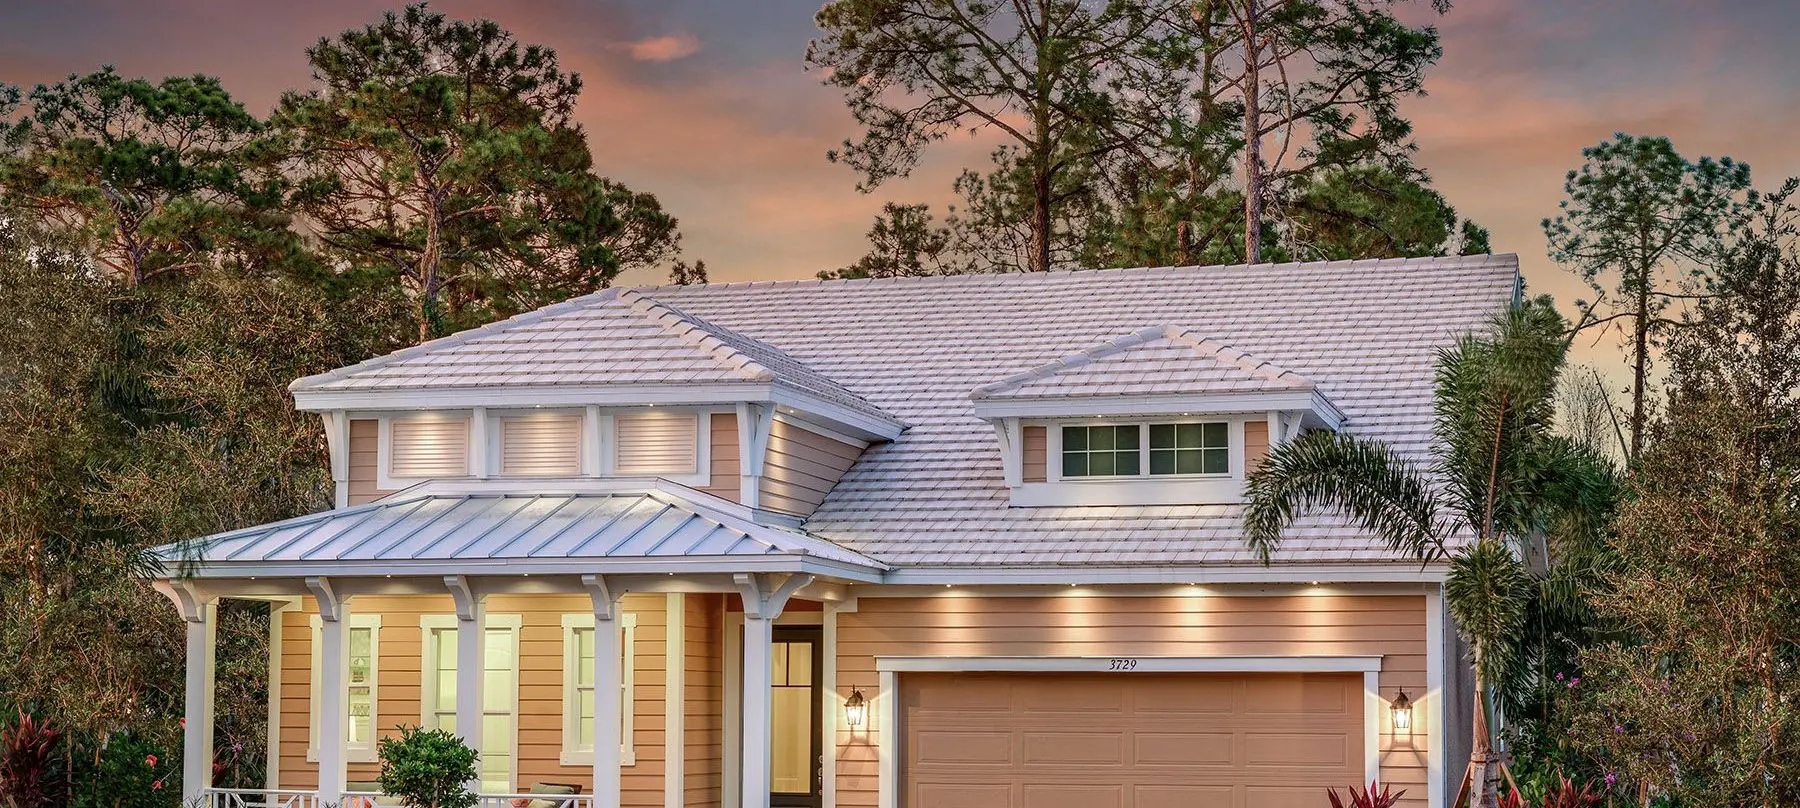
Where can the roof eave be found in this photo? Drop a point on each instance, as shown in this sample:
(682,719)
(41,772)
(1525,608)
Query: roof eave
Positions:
(1307,400)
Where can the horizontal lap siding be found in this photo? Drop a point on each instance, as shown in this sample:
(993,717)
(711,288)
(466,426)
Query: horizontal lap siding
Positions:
(726,479)
(705,685)
(540,686)
(1036,453)
(1391,627)
(364,457)
(1256,444)
(801,468)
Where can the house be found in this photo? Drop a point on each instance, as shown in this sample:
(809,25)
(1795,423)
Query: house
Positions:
(949,542)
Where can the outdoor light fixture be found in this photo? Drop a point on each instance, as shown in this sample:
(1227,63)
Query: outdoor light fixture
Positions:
(856,709)
(1402,708)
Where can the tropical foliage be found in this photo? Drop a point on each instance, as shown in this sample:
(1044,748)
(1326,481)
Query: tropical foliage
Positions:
(427,768)
(1514,507)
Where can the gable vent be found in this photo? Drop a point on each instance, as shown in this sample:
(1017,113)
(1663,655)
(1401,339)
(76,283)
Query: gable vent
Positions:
(434,446)
(540,445)
(656,443)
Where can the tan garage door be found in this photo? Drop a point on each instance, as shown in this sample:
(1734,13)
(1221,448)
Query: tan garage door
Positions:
(1129,740)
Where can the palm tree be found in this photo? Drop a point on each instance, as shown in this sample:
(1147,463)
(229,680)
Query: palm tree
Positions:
(1516,508)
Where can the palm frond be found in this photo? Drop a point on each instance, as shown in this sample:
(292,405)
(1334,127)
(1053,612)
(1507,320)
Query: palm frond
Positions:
(1356,477)
(1489,593)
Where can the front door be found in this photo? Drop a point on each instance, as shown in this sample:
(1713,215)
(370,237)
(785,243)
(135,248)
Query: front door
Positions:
(794,742)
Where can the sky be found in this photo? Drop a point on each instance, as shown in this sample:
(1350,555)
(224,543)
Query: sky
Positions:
(708,105)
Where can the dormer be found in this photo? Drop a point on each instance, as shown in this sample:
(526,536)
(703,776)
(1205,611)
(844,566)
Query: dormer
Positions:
(1159,416)
(616,386)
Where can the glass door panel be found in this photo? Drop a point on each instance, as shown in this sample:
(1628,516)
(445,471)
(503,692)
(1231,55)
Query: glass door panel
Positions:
(794,743)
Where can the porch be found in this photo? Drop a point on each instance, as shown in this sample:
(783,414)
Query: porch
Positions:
(625,657)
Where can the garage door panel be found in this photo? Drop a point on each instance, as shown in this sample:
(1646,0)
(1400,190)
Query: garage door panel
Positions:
(1294,695)
(953,748)
(1074,796)
(1170,796)
(961,795)
(1184,748)
(1150,740)
(1072,748)
(1299,750)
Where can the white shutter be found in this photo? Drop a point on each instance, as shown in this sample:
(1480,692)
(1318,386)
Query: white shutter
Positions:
(656,443)
(429,446)
(540,445)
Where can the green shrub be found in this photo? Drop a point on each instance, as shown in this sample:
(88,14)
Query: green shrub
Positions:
(128,771)
(426,768)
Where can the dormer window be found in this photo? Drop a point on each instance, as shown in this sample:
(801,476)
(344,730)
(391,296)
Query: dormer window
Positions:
(1158,416)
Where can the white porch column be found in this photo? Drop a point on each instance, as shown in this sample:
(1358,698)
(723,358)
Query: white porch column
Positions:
(334,683)
(471,662)
(200,614)
(607,685)
(763,603)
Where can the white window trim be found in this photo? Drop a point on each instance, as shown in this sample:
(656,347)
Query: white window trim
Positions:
(573,753)
(428,625)
(702,476)
(366,753)
(384,443)
(1144,488)
(496,439)
(887,709)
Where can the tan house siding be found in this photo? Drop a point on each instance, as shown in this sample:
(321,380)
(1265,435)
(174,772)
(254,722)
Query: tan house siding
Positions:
(705,684)
(1392,627)
(801,468)
(540,686)
(365,454)
(1256,444)
(726,471)
(1036,453)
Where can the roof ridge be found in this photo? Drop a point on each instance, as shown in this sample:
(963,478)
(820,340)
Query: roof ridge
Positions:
(1206,346)
(1349,263)
(693,330)
(451,340)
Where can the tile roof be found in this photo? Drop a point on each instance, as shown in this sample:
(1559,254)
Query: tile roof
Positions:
(1366,333)
(614,337)
(573,530)
(1149,361)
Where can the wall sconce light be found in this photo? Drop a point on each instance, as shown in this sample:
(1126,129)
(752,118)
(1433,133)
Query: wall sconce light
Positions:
(856,709)
(1402,708)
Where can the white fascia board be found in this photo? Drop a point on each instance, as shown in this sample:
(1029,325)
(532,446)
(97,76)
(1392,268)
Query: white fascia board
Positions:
(1131,406)
(1397,573)
(673,565)
(863,426)
(532,396)
(1126,666)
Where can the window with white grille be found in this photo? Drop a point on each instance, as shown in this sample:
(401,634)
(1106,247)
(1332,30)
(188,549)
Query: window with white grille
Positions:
(540,445)
(428,446)
(656,444)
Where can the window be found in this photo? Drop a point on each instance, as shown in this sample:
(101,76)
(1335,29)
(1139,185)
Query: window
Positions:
(578,688)
(1189,449)
(499,691)
(1100,451)
(364,665)
(426,446)
(1132,450)
(540,445)
(652,444)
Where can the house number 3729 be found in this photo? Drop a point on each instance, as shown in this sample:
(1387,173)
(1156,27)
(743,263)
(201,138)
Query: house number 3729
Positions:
(1121,664)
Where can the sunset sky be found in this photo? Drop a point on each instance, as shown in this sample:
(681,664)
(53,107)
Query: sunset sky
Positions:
(708,105)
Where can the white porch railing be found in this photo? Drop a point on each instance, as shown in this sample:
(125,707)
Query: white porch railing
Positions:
(259,798)
(557,800)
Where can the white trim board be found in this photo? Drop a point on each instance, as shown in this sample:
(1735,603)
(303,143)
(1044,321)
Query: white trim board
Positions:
(1129,665)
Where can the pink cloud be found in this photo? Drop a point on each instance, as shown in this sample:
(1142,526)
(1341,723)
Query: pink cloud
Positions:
(663,48)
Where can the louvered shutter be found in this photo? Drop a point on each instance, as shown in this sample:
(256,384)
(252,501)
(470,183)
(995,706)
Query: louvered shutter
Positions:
(540,445)
(656,443)
(428,447)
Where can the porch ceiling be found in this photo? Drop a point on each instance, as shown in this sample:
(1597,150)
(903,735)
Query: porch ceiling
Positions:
(569,532)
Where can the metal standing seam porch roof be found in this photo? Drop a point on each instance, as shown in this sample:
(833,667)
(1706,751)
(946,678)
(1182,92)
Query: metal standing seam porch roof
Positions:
(559,533)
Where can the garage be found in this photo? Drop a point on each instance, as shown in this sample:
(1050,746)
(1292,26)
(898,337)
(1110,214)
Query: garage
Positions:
(1129,740)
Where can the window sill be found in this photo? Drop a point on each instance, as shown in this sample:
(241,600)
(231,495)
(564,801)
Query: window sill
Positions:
(581,757)
(1130,491)
(350,755)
